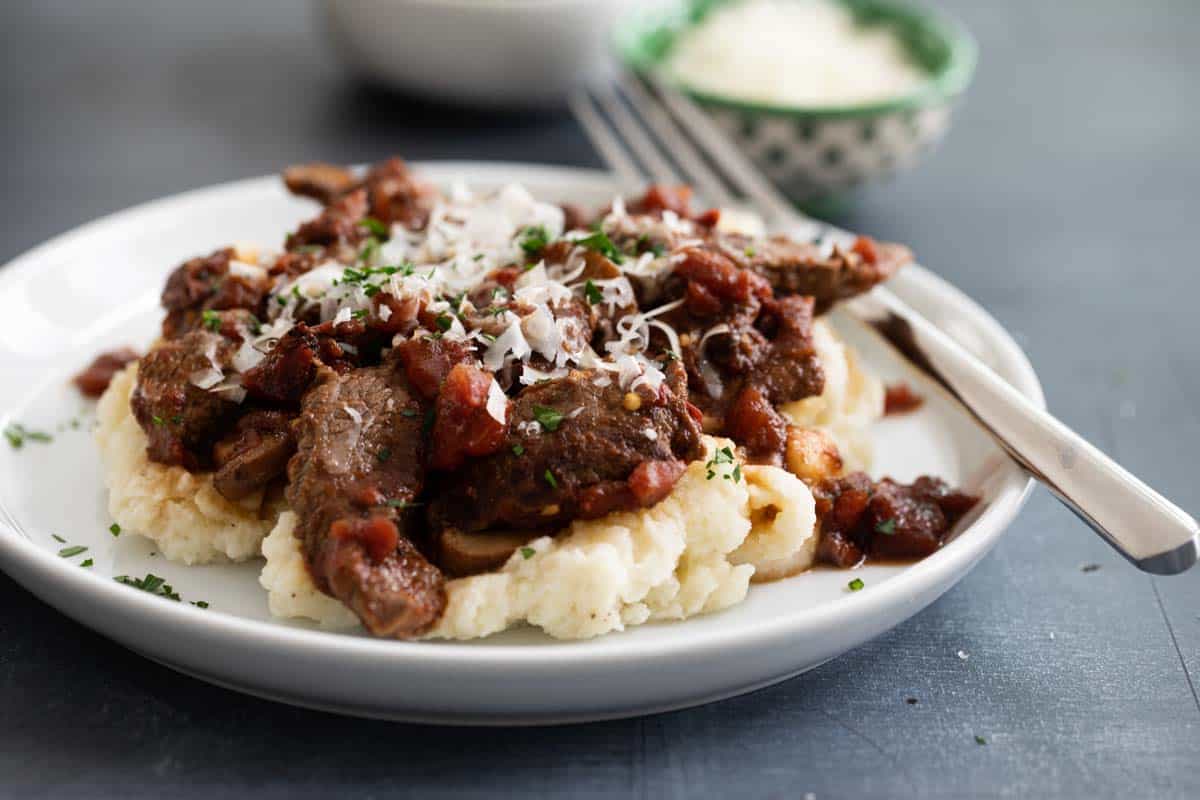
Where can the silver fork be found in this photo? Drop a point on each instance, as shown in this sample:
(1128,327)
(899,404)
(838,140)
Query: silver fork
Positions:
(674,141)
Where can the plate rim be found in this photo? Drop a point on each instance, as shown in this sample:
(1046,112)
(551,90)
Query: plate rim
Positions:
(19,555)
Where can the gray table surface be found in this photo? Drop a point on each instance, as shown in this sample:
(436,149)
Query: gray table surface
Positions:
(1065,200)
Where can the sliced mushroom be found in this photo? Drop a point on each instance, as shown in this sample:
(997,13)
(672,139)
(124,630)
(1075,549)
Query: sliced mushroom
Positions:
(461,553)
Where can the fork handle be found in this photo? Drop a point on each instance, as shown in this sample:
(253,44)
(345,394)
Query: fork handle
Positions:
(1154,534)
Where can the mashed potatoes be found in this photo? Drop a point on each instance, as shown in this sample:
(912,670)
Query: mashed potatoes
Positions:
(290,589)
(852,400)
(182,513)
(692,553)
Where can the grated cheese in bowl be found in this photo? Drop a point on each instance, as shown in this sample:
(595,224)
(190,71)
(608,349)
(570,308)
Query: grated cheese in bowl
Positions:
(802,53)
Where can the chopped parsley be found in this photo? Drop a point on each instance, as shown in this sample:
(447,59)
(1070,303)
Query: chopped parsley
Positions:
(980,740)
(58,538)
(18,435)
(534,239)
(370,251)
(550,479)
(592,293)
(548,418)
(599,241)
(887,527)
(855,585)
(397,503)
(114,529)
(87,563)
(644,243)
(68,552)
(152,584)
(308,248)
(200,603)
(158,421)
(723,456)
(359,313)
(376,227)
(384,454)
(444,322)
(518,450)
(371,279)
(749,252)
(528,553)
(211,319)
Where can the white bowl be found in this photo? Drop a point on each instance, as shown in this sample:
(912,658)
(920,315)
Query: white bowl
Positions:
(482,52)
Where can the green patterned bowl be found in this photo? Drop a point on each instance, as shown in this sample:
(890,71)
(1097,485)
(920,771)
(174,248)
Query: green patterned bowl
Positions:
(815,155)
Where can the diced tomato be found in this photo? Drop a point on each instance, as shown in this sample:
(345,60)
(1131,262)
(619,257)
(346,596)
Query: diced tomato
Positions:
(378,535)
(753,423)
(659,198)
(899,398)
(651,481)
(93,380)
(865,247)
(714,278)
(463,426)
(427,362)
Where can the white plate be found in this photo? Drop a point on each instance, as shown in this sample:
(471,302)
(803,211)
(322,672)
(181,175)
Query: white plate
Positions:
(97,287)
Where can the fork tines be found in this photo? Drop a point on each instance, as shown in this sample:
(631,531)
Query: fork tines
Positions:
(650,131)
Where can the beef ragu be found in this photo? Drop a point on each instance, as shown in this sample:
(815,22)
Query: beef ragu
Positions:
(429,394)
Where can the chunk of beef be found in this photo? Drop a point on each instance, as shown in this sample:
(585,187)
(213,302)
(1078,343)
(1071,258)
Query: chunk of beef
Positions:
(338,228)
(735,334)
(322,182)
(289,368)
(95,378)
(254,454)
(804,268)
(286,372)
(389,193)
(886,520)
(576,447)
(789,368)
(206,284)
(289,265)
(357,469)
(398,196)
(181,420)
(717,297)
